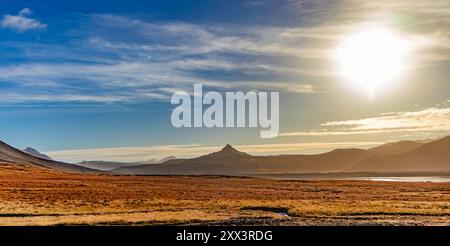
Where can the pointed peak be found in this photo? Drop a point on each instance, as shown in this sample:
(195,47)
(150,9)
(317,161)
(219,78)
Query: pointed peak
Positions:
(36,153)
(228,148)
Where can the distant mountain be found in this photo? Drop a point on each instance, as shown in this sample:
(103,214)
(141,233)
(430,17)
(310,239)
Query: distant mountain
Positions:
(231,161)
(226,161)
(36,153)
(168,158)
(402,156)
(104,165)
(395,147)
(150,161)
(405,156)
(111,165)
(15,157)
(334,161)
(432,156)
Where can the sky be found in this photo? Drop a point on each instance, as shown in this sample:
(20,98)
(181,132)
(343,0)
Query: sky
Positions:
(92,80)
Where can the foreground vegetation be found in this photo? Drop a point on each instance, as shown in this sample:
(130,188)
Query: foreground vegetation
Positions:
(34,196)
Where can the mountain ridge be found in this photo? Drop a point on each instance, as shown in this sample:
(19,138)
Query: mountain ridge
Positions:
(401,156)
(16,157)
(229,160)
(111,165)
(434,155)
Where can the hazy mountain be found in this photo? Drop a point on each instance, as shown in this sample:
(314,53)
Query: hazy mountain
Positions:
(397,156)
(226,161)
(403,156)
(36,153)
(111,165)
(231,161)
(395,147)
(104,165)
(16,157)
(333,161)
(432,156)
(168,158)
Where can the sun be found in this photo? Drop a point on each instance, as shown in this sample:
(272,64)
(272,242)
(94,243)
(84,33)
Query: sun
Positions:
(372,58)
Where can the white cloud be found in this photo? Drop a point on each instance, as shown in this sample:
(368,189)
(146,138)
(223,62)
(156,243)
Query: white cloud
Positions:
(22,22)
(8,97)
(430,120)
(120,82)
(25,11)
(174,55)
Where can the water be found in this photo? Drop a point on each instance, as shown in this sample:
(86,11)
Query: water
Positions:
(411,179)
(434,179)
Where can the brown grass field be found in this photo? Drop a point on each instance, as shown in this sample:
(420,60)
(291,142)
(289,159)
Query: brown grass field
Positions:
(34,196)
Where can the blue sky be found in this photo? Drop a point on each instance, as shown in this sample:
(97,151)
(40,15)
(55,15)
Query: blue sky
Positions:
(98,75)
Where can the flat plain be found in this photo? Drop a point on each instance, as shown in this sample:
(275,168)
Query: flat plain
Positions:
(38,196)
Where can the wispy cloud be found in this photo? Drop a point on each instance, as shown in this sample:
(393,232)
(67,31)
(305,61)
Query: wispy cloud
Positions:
(118,55)
(165,55)
(22,22)
(255,3)
(120,82)
(430,120)
(47,97)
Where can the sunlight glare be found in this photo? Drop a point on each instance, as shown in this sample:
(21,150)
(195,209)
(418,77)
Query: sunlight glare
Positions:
(372,58)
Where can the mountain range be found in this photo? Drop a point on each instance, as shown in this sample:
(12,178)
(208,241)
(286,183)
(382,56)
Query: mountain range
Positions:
(402,156)
(111,165)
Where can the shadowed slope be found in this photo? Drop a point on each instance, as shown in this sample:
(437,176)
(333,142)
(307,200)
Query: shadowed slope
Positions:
(432,156)
(16,157)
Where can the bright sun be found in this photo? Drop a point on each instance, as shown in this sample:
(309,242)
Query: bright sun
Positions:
(372,58)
